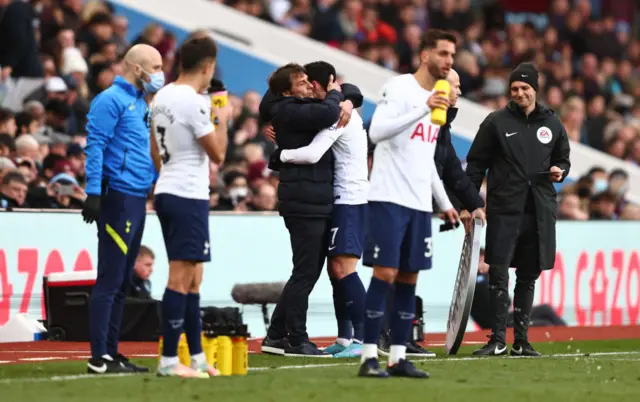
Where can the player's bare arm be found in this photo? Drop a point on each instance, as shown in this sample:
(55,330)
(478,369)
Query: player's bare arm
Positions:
(215,144)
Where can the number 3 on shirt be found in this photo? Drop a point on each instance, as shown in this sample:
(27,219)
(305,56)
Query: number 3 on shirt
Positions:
(163,147)
(429,250)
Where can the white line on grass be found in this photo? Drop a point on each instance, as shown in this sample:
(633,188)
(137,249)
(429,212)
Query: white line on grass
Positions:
(310,366)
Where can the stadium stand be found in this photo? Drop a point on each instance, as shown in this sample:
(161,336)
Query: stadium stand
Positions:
(50,74)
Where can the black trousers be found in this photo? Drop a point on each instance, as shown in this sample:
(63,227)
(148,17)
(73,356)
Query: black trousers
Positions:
(527,272)
(309,244)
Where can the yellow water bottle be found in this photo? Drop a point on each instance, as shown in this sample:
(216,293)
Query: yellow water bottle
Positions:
(225,355)
(183,351)
(210,346)
(219,98)
(240,355)
(439,115)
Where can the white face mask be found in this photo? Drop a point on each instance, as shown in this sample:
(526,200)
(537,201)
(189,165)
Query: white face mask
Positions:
(238,194)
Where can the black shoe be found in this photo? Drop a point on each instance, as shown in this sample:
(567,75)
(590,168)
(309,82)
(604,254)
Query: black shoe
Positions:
(524,348)
(493,348)
(305,349)
(273,346)
(384,343)
(371,368)
(104,366)
(405,368)
(125,362)
(415,350)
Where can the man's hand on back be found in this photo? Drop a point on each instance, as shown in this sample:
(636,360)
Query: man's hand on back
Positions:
(270,133)
(346,108)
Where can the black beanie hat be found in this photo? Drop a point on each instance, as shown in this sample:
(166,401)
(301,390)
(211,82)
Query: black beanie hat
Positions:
(525,72)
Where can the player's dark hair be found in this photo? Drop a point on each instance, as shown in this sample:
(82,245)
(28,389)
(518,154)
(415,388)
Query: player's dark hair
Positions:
(197,51)
(282,79)
(320,71)
(432,36)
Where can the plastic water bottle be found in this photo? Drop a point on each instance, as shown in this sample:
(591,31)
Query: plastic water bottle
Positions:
(439,115)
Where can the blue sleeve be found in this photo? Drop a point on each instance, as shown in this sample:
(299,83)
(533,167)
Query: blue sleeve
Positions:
(101,123)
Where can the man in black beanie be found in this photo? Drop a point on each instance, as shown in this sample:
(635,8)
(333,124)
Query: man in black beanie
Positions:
(525,148)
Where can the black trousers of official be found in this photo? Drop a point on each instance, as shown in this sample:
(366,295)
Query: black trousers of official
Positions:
(527,272)
(309,244)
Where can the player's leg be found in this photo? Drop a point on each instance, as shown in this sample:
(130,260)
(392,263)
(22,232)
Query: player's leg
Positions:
(387,227)
(415,256)
(196,249)
(499,301)
(345,248)
(113,244)
(309,239)
(137,228)
(345,329)
(173,215)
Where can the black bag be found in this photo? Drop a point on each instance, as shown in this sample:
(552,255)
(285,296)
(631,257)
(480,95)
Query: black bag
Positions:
(222,321)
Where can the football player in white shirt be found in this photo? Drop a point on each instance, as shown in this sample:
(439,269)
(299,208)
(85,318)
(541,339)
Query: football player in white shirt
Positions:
(186,140)
(350,190)
(403,179)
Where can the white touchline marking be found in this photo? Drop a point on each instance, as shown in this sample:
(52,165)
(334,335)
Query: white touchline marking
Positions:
(41,359)
(312,366)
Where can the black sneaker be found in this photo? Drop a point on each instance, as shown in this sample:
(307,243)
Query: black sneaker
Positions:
(125,362)
(384,343)
(493,348)
(415,350)
(305,349)
(371,368)
(104,366)
(273,346)
(405,368)
(524,348)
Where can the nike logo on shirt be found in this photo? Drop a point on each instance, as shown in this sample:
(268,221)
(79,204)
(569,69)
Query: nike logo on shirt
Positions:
(510,134)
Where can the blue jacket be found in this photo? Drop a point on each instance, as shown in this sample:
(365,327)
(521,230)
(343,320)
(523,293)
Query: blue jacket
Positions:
(118,149)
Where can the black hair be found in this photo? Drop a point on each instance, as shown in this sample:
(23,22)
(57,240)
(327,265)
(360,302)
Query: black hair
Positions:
(282,79)
(197,51)
(320,71)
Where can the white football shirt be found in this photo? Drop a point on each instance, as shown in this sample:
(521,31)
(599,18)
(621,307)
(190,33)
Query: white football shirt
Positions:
(404,171)
(180,117)
(349,147)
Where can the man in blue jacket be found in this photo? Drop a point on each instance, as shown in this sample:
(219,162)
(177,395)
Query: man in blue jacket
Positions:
(120,174)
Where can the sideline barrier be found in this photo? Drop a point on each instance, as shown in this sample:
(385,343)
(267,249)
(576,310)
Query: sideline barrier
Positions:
(596,280)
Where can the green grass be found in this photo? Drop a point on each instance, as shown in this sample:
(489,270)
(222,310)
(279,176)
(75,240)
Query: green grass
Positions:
(589,376)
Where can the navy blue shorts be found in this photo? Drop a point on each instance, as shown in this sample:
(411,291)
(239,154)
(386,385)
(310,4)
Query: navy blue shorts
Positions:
(185,227)
(398,237)
(348,229)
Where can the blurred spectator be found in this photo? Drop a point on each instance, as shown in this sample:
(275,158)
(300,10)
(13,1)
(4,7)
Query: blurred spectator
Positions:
(236,191)
(264,198)
(18,47)
(13,190)
(8,122)
(603,206)
(141,284)
(570,208)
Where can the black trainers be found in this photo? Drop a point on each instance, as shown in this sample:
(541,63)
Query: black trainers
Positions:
(104,366)
(405,368)
(384,343)
(493,348)
(371,368)
(305,349)
(524,348)
(415,350)
(125,362)
(274,346)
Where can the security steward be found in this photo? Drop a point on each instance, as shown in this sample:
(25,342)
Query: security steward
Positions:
(526,149)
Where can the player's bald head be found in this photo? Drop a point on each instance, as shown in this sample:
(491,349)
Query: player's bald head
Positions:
(454,81)
(144,56)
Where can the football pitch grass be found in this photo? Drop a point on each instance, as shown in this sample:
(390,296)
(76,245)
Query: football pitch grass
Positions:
(570,371)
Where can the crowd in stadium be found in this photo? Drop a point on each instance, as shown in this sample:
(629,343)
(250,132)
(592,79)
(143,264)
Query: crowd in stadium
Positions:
(585,48)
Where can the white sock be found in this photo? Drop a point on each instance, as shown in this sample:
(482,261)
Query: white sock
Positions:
(198,360)
(396,353)
(107,358)
(343,342)
(369,351)
(169,361)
